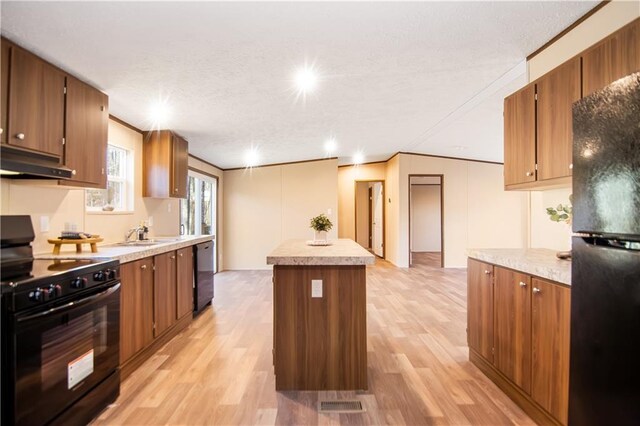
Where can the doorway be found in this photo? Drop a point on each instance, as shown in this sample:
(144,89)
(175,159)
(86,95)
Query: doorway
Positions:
(426,220)
(370,215)
(199,211)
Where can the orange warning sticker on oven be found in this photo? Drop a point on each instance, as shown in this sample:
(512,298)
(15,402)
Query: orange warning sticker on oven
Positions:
(79,369)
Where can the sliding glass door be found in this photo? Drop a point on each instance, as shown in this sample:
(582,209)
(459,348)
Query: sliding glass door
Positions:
(198,210)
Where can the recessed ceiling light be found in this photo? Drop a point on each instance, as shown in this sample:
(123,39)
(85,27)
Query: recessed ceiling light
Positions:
(330,145)
(358,158)
(159,113)
(306,80)
(251,157)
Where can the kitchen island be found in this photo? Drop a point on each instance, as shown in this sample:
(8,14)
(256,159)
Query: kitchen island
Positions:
(319,315)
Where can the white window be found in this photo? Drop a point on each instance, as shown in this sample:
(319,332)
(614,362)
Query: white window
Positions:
(119,192)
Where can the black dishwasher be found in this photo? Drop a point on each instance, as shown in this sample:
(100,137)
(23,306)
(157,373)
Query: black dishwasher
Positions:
(203,289)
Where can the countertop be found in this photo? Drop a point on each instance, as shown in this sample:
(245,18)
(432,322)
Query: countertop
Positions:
(542,263)
(129,253)
(340,252)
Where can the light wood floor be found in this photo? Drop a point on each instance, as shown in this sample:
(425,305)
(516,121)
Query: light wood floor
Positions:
(426,258)
(219,370)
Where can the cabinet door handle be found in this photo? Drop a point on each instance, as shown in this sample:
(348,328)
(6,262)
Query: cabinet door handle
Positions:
(173,257)
(522,284)
(487,272)
(20,136)
(570,166)
(180,254)
(529,173)
(143,267)
(536,290)
(73,172)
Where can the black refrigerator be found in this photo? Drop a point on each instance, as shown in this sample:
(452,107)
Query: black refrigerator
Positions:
(604,378)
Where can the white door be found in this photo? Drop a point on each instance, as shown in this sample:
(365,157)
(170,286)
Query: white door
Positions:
(376,217)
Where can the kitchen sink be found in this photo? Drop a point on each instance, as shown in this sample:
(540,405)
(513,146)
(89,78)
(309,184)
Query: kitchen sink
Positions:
(149,242)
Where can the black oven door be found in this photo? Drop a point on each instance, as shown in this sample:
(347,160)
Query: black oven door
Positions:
(62,353)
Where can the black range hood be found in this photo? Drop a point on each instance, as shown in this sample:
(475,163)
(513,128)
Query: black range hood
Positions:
(15,163)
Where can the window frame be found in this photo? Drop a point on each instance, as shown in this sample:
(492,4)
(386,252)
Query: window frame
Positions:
(126,181)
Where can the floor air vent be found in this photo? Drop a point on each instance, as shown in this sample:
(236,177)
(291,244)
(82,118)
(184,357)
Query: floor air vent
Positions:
(353,406)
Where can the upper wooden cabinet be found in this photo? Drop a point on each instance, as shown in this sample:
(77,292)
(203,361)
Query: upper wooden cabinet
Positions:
(550,330)
(480,308)
(556,93)
(36,104)
(4,89)
(47,111)
(538,119)
(165,165)
(512,331)
(520,137)
(615,57)
(87,118)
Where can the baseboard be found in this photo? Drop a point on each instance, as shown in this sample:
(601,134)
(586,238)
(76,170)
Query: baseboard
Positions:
(138,359)
(524,401)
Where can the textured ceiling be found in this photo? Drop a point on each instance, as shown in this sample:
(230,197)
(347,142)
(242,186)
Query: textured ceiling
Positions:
(423,76)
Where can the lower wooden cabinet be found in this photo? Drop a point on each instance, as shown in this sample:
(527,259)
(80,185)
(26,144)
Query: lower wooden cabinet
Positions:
(512,331)
(164,279)
(550,328)
(184,282)
(518,333)
(480,307)
(156,302)
(136,311)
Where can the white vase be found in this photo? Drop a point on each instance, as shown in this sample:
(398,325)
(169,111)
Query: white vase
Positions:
(321,236)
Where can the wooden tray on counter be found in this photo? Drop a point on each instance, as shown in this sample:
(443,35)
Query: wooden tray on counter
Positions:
(58,242)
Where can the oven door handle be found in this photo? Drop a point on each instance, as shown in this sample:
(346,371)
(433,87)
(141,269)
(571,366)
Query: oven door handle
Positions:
(75,303)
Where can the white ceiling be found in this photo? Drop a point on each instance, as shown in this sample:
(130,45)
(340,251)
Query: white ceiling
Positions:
(423,77)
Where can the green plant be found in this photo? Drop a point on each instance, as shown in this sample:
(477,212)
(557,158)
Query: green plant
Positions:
(562,213)
(321,223)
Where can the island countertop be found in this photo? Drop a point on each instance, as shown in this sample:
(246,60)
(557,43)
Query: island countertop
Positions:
(341,252)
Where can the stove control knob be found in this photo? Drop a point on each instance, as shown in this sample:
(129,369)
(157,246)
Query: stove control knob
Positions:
(35,295)
(55,290)
(47,293)
(79,283)
(99,276)
(110,274)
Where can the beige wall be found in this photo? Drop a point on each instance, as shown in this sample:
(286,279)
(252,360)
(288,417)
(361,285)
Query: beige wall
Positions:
(392,209)
(267,205)
(478,213)
(544,232)
(362,210)
(599,25)
(425,218)
(43,198)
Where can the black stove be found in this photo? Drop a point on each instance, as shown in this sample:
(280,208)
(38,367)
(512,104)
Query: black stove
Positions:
(60,322)
(50,281)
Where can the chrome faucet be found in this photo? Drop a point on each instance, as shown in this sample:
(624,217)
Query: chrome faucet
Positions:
(130,232)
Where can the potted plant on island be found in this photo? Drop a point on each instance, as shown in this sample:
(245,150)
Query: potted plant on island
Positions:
(321,225)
